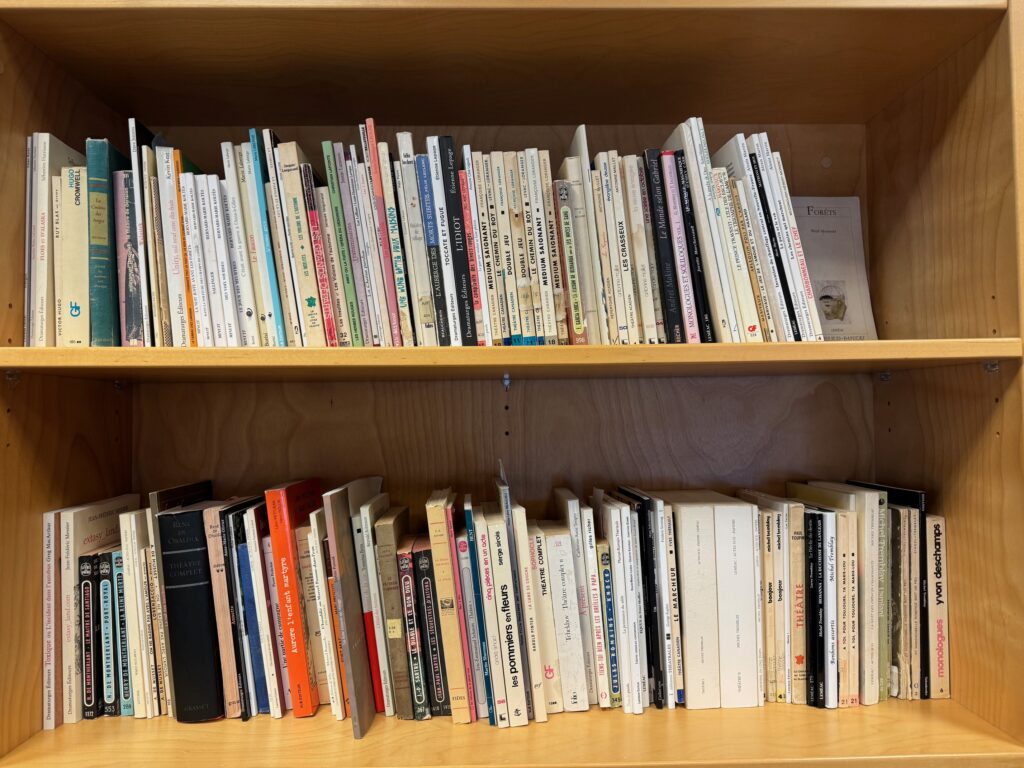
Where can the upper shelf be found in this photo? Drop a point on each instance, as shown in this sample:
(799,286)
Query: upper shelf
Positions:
(169,364)
(480,62)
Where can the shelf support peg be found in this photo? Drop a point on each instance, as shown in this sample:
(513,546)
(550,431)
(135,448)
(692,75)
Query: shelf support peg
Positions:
(506,381)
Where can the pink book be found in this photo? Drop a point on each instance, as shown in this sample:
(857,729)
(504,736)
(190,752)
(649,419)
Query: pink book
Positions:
(460,606)
(474,274)
(369,137)
(129,276)
(675,220)
(323,281)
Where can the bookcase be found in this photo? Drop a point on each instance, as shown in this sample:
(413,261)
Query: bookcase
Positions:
(915,106)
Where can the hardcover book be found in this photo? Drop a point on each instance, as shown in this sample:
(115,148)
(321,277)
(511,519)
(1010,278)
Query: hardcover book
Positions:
(436,658)
(414,644)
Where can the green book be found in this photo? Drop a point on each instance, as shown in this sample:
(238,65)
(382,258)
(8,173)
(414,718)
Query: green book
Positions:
(344,251)
(101,160)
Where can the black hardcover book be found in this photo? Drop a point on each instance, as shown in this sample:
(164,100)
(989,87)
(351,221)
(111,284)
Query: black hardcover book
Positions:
(107,648)
(457,238)
(426,593)
(123,674)
(89,618)
(776,250)
(700,286)
(413,632)
(649,579)
(819,608)
(810,605)
(909,497)
(191,623)
(432,239)
(664,256)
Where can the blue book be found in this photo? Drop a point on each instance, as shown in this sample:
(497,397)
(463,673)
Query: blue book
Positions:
(605,570)
(122,672)
(101,160)
(478,590)
(108,680)
(261,174)
(432,239)
(249,628)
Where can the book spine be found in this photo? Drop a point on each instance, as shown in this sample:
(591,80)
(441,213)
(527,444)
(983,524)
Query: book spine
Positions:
(735,268)
(368,134)
(494,678)
(422,294)
(541,271)
(275,614)
(665,258)
(481,691)
(885,617)
(161,649)
(102,252)
(505,248)
(508,623)
(355,246)
(252,250)
(284,260)
(432,239)
(301,675)
(594,600)
(123,674)
(319,259)
(148,277)
(251,629)
(128,274)
(194,259)
(924,547)
(558,278)
(235,235)
(938,609)
(325,628)
(457,239)
(261,171)
(568,632)
(391,604)
(224,263)
(380,635)
(831,589)
(610,627)
(811,610)
(648,569)
(407,337)
(149,636)
(797,607)
(52,711)
(677,687)
(575,312)
(347,298)
(914,600)
(494,268)
(419,695)
(694,251)
(345,705)
(91,652)
(540,576)
(437,679)
(108,683)
(520,249)
(637,223)
(472,257)
(264,625)
(762,303)
(798,248)
(208,261)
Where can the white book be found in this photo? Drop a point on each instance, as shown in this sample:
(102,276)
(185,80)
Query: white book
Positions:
(637,235)
(739,275)
(146,274)
(174,254)
(559,280)
(831,612)
(748,240)
(677,680)
(49,155)
(264,623)
(235,238)
(541,577)
(546,253)
(483,323)
(472,621)
(211,269)
(631,635)
(512,663)
(284,263)
(323,612)
(262,276)
(82,529)
(391,226)
(419,270)
(760,642)
(610,525)
(373,262)
(244,631)
(694,518)
(369,513)
(250,223)
(504,248)
(603,167)
(194,259)
(137,659)
(580,171)
(735,158)
(595,604)
(492,636)
(640,653)
(789,217)
(588,265)
(52,711)
(780,558)
(332,262)
(275,614)
(161,319)
(664,612)
(218,230)
(366,253)
(444,242)
(568,507)
(493,265)
(707,230)
(520,536)
(564,603)
(619,243)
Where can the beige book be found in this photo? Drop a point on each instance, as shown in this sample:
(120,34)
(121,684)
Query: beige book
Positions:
(372,255)
(544,247)
(309,614)
(623,246)
(332,257)
(159,679)
(532,259)
(559,281)
(55,234)
(529,600)
(504,249)
(854,612)
(843,600)
(577,174)
(915,604)
(938,606)
(155,251)
(643,287)
(540,572)
(440,532)
(903,652)
(488,246)
(618,249)
(768,586)
(520,258)
(250,219)
(293,201)
(611,311)
(322,609)
(736,262)
(779,567)
(398,259)
(222,612)
(71,254)
(798,602)
(757,283)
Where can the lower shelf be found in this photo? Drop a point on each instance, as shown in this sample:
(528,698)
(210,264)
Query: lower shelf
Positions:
(933,733)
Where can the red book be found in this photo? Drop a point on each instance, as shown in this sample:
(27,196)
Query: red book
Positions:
(323,281)
(383,238)
(288,507)
(474,273)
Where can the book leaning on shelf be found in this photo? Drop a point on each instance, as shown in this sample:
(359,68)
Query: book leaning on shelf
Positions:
(449,246)
(833,596)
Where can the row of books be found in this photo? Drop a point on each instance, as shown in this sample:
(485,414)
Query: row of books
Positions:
(672,245)
(834,597)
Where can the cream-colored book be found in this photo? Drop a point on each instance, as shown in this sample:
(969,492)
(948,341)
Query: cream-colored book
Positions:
(566,615)
(854,551)
(398,258)
(915,604)
(906,599)
(540,573)
(779,530)
(520,257)
(618,253)
(644,290)
(250,223)
(754,273)
(767,520)
(421,294)
(520,535)
(487,248)
(71,259)
(585,242)
(530,234)
(736,261)
(938,606)
(332,259)
(611,310)
(559,281)
(369,513)
(543,247)
(843,604)
(505,251)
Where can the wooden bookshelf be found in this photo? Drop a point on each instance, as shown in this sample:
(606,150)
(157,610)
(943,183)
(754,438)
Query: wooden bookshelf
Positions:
(915,106)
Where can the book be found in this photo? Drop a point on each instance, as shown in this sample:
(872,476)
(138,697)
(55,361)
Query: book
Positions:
(123,673)
(406,336)
(481,691)
(90,654)
(432,244)
(572,515)
(938,611)
(340,504)
(316,539)
(305,575)
(369,624)
(270,275)
(422,298)
(107,682)
(513,664)
(236,241)
(831,234)
(370,512)
(378,215)
(132,308)
(256,531)
(190,614)
(419,695)
(288,508)
(53,711)
(70,258)
(565,606)
(457,323)
(694,253)
(620,669)
(540,577)
(389,530)
(644,289)
(607,617)
(256,675)
(426,592)
(669,287)
(488,613)
(102,160)
(223,604)
(503,228)
(473,587)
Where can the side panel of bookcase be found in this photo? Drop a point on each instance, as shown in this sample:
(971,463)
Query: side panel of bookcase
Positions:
(657,433)
(35,96)
(62,441)
(957,432)
(943,229)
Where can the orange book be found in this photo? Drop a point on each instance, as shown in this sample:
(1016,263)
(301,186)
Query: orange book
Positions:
(193,340)
(288,507)
(337,643)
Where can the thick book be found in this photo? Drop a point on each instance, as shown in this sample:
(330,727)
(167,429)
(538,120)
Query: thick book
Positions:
(339,505)
(545,622)
(414,648)
(89,644)
(102,160)
(190,613)
(433,643)
(223,605)
(582,539)
(938,609)
(512,663)
(288,508)
(389,530)
(619,664)
(123,673)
